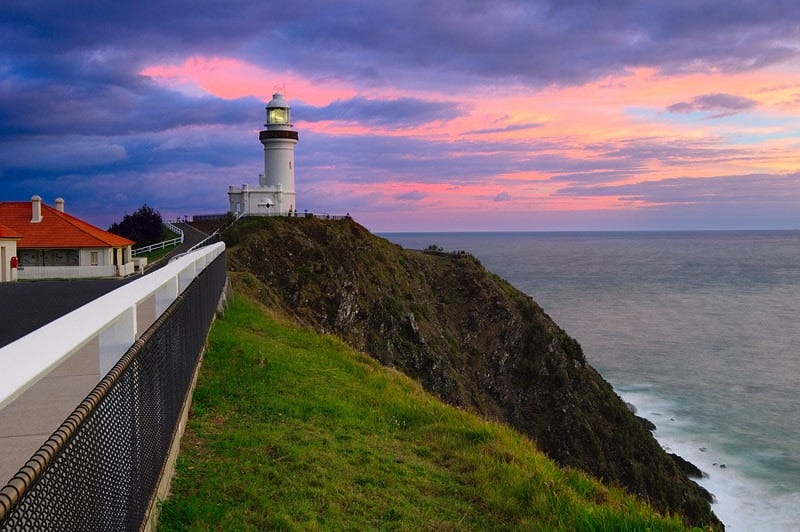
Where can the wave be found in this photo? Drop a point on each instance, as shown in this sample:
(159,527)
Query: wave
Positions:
(743,501)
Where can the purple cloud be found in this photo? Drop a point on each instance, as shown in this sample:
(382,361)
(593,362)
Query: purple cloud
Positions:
(413,195)
(503,196)
(718,104)
(742,190)
(505,129)
(397,113)
(77,118)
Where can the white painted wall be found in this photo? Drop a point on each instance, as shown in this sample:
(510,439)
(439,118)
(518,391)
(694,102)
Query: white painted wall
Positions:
(35,273)
(102,256)
(8,249)
(253,200)
(279,164)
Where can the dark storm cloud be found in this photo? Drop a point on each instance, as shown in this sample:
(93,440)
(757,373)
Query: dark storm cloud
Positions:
(35,107)
(23,155)
(539,42)
(718,104)
(396,113)
(412,42)
(70,66)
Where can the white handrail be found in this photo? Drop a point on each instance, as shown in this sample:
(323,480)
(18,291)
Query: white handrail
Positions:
(115,320)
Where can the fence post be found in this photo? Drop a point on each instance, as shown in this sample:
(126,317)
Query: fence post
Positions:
(116,338)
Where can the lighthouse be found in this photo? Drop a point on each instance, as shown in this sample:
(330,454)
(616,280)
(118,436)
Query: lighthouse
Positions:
(275,194)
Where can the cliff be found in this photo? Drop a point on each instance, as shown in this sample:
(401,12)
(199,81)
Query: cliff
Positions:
(467,336)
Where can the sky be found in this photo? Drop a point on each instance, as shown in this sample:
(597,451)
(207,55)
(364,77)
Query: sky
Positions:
(435,115)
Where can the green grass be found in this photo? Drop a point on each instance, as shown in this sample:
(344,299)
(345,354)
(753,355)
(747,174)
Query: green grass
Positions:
(292,430)
(157,254)
(166,234)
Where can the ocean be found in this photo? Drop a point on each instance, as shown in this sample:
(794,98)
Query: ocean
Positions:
(700,331)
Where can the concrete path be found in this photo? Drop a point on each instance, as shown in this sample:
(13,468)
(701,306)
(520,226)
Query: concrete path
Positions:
(26,423)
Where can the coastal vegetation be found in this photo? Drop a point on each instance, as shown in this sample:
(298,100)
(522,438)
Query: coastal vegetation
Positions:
(465,336)
(294,430)
(166,235)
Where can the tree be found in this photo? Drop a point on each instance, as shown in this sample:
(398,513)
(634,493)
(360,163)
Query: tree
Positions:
(143,226)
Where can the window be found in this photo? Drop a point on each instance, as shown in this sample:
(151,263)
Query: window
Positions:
(93,256)
(30,258)
(278,115)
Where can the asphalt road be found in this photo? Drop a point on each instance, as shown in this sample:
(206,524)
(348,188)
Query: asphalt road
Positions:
(25,306)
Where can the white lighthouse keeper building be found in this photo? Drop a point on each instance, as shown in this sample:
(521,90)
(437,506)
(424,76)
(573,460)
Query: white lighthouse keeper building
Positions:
(275,192)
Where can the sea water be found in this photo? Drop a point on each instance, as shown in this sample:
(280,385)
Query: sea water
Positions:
(700,331)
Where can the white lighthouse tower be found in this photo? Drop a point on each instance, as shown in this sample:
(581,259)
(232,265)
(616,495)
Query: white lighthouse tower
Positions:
(275,192)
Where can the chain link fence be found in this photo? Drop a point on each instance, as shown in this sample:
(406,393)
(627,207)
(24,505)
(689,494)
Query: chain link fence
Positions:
(100,469)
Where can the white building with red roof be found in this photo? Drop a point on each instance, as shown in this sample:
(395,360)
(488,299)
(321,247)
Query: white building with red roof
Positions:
(51,244)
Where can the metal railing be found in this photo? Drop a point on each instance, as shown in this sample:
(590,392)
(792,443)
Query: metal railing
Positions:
(209,217)
(216,236)
(295,214)
(161,245)
(100,468)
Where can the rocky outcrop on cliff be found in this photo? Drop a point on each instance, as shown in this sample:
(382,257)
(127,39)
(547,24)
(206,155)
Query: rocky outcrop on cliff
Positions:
(468,336)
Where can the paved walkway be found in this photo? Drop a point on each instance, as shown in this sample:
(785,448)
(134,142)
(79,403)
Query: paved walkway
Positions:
(191,236)
(26,423)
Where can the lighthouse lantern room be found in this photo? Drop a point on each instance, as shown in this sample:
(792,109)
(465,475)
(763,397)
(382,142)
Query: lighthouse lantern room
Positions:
(275,192)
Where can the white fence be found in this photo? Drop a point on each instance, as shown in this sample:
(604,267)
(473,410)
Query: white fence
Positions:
(109,324)
(161,245)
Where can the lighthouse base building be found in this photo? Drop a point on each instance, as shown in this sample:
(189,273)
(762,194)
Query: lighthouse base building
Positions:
(264,200)
(274,194)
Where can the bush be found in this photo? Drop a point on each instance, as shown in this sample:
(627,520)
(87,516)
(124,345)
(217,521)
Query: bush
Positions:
(143,226)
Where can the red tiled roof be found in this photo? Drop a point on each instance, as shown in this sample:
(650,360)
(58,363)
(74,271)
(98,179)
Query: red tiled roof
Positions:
(7,232)
(56,229)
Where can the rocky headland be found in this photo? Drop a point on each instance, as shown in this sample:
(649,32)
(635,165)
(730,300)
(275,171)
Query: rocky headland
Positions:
(468,337)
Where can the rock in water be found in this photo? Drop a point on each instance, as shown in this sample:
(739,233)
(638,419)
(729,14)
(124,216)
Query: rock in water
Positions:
(686,466)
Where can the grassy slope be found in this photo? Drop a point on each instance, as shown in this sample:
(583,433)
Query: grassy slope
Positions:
(166,234)
(293,430)
(466,336)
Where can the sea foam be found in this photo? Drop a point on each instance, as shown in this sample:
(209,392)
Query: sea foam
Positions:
(742,502)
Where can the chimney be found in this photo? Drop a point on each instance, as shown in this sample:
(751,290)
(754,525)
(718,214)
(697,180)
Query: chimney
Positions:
(60,204)
(36,208)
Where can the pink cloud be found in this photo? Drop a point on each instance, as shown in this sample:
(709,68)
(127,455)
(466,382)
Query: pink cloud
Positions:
(612,132)
(231,78)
